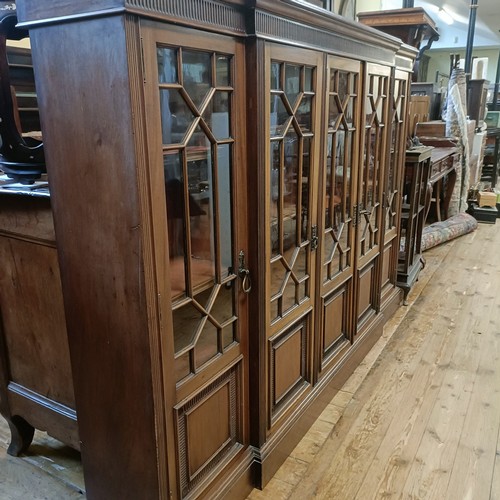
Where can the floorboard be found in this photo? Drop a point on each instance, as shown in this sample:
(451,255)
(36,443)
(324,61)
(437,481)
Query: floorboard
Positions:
(419,418)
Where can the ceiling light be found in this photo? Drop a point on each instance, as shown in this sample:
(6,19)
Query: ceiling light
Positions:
(445,16)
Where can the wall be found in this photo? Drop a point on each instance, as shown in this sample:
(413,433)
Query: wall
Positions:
(440,60)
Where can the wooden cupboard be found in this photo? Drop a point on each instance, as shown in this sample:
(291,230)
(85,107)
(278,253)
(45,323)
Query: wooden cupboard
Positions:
(234,171)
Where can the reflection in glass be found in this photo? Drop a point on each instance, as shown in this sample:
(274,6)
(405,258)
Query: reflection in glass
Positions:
(279,117)
(277,276)
(304,114)
(223,308)
(186,321)
(306,168)
(275,76)
(217,115)
(174,194)
(275,195)
(206,347)
(292,83)
(182,367)
(308,79)
(228,335)
(197,74)
(176,116)
(288,300)
(274,309)
(334,112)
(225,208)
(200,184)
(300,267)
(290,194)
(223,78)
(167,65)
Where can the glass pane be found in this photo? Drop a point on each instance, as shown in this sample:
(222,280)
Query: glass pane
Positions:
(334,111)
(277,276)
(306,162)
(167,65)
(292,83)
(217,115)
(274,310)
(176,116)
(289,300)
(207,345)
(275,193)
(303,291)
(201,217)
(290,194)
(300,267)
(186,321)
(223,71)
(308,80)
(174,194)
(223,308)
(228,335)
(197,74)
(275,76)
(304,114)
(225,208)
(279,118)
(182,367)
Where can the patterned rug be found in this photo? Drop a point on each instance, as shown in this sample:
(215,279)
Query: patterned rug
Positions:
(455,226)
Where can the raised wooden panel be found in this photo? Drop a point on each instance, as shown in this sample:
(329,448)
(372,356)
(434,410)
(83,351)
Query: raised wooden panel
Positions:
(203,445)
(365,290)
(387,265)
(32,316)
(288,365)
(209,430)
(335,321)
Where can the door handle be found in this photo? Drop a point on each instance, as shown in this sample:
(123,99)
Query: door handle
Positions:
(244,274)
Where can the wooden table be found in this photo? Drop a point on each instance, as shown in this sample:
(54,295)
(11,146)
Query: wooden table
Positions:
(444,163)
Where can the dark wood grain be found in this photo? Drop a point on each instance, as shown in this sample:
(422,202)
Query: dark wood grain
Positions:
(90,147)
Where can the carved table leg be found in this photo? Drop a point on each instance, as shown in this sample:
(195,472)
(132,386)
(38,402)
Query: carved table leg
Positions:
(452,177)
(21,433)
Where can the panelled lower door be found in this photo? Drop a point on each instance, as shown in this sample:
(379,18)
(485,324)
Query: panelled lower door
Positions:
(370,191)
(293,97)
(392,185)
(194,94)
(338,179)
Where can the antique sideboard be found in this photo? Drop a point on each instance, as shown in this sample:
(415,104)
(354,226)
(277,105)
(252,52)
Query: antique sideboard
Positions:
(226,189)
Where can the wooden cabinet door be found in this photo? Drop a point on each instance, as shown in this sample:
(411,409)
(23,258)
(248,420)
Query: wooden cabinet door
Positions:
(293,98)
(393,180)
(194,92)
(370,191)
(337,199)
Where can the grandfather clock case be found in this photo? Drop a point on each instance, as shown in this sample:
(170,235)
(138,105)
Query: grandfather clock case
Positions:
(226,187)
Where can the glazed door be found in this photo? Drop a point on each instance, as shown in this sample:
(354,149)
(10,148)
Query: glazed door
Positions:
(293,97)
(337,198)
(194,94)
(369,207)
(393,180)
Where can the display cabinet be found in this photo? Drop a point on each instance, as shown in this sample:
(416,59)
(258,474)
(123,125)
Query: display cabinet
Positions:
(243,258)
(415,193)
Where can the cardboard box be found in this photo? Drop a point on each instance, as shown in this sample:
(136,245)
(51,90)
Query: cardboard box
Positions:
(487,199)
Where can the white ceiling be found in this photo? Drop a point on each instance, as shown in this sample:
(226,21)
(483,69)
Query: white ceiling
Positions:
(455,36)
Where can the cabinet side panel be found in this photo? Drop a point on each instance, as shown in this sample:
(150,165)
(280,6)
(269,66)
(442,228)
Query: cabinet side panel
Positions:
(85,107)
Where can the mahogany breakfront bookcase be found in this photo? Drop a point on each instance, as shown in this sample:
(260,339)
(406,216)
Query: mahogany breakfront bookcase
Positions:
(226,188)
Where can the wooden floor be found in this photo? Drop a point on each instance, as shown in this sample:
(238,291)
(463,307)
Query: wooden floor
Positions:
(419,418)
